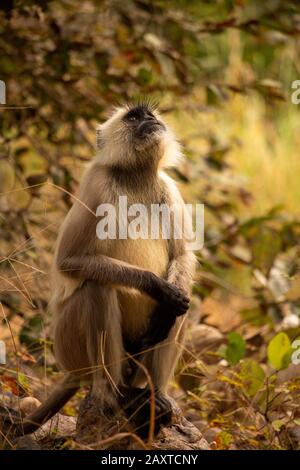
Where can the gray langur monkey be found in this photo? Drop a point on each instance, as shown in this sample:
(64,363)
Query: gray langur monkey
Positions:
(118,296)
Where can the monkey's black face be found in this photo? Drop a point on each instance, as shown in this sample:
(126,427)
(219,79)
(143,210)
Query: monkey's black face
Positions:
(142,122)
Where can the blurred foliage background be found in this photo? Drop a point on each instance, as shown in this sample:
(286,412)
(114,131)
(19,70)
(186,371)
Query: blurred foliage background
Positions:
(222,72)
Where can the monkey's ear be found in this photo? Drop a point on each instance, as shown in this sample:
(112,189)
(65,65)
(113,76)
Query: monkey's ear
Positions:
(99,138)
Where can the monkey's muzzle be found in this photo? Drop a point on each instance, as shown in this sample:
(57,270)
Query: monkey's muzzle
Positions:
(149,127)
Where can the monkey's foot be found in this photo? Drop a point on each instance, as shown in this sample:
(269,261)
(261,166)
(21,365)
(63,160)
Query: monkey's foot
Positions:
(136,403)
(95,420)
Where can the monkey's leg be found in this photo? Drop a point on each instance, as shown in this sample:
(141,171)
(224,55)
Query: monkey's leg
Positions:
(88,344)
(163,359)
(88,339)
(166,328)
(160,362)
(167,333)
(137,404)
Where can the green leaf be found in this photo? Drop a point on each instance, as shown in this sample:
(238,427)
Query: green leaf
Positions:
(266,244)
(235,349)
(144,76)
(277,424)
(32,163)
(279,351)
(255,316)
(224,439)
(252,376)
(23,382)
(32,332)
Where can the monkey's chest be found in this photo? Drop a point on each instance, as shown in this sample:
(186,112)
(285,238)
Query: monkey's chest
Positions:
(148,254)
(151,255)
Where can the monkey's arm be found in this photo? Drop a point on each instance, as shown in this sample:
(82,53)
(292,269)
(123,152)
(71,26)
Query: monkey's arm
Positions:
(78,257)
(109,271)
(180,273)
(181,270)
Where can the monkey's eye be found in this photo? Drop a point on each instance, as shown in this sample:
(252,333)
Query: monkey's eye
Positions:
(133,115)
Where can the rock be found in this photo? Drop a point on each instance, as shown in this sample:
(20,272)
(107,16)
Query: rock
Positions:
(294,433)
(211,434)
(114,432)
(26,443)
(290,373)
(201,340)
(97,430)
(59,426)
(95,425)
(28,405)
(181,435)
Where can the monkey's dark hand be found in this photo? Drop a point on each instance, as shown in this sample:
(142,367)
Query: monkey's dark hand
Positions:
(161,322)
(174,300)
(159,327)
(172,304)
(169,295)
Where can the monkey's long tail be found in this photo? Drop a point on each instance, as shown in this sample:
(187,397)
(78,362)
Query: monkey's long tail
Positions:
(58,398)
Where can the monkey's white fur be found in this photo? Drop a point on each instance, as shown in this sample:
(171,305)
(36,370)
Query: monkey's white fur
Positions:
(112,142)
